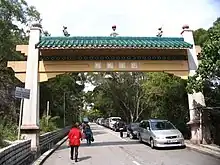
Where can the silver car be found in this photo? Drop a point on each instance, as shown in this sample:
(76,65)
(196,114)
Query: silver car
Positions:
(160,133)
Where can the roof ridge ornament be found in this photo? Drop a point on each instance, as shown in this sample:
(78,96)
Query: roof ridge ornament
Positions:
(65,32)
(160,32)
(114,34)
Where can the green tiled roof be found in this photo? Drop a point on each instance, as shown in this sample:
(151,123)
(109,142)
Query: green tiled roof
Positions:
(112,43)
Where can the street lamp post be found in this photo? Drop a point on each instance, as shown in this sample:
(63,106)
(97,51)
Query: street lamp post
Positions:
(64,109)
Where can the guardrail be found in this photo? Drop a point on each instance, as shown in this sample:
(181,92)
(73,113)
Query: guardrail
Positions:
(19,153)
(48,140)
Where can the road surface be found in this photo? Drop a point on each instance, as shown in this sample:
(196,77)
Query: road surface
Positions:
(110,149)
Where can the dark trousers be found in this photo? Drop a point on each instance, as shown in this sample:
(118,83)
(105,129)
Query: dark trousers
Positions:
(121,133)
(88,139)
(74,149)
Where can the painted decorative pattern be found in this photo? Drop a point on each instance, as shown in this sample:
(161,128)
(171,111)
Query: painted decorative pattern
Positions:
(112,43)
(94,58)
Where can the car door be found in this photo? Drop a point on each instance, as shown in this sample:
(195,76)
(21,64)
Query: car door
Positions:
(143,130)
(147,132)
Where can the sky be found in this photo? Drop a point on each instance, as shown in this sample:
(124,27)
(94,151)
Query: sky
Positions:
(132,17)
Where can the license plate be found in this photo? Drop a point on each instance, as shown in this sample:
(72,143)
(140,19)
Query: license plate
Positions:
(172,141)
(120,128)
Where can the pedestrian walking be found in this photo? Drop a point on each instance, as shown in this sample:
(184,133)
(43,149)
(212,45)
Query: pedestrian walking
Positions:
(74,137)
(121,126)
(88,134)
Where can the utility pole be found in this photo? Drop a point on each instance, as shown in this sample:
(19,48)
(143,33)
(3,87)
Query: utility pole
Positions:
(48,109)
(64,109)
(20,118)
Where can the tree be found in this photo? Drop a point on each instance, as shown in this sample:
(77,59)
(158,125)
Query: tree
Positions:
(93,114)
(167,99)
(113,97)
(209,68)
(11,34)
(206,80)
(14,15)
(54,91)
(200,36)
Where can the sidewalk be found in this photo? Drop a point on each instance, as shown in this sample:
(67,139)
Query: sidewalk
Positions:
(212,150)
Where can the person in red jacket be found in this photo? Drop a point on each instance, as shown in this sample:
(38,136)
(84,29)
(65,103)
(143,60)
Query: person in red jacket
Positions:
(74,137)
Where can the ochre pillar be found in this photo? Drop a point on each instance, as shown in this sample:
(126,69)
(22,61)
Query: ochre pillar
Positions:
(30,119)
(195,100)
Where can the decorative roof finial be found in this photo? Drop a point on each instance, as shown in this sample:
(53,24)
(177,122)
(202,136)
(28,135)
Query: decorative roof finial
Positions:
(160,32)
(114,34)
(185,27)
(46,33)
(65,32)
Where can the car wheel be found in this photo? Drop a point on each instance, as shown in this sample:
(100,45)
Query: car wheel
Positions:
(152,143)
(140,139)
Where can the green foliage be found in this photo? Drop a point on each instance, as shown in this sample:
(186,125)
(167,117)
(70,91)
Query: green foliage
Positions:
(12,14)
(93,114)
(1,137)
(55,90)
(48,124)
(8,131)
(200,36)
(136,96)
(167,98)
(209,68)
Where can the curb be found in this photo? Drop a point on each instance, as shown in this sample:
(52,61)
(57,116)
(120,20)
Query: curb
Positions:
(43,157)
(202,151)
(213,149)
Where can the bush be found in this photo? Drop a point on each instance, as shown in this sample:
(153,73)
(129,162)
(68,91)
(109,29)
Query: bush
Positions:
(50,126)
(1,136)
(7,132)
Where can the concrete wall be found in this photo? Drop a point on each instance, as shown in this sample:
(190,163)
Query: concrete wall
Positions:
(19,153)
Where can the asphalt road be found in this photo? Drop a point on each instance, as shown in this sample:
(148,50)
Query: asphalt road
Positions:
(110,149)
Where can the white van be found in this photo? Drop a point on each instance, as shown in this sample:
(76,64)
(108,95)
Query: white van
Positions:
(112,121)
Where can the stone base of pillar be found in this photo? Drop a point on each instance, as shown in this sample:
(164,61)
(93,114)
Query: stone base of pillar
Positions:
(32,132)
(195,131)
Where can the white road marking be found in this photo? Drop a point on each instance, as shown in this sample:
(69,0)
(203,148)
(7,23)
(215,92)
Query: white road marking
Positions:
(136,163)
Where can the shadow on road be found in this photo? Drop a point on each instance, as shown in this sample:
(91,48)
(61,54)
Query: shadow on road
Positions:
(99,144)
(95,133)
(113,143)
(84,158)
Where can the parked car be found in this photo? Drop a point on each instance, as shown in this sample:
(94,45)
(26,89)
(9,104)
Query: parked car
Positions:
(160,133)
(116,126)
(102,121)
(106,123)
(132,130)
(112,121)
(97,121)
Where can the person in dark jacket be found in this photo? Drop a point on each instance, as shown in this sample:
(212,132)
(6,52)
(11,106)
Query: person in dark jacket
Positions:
(121,126)
(88,134)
